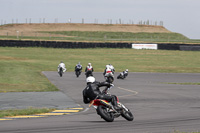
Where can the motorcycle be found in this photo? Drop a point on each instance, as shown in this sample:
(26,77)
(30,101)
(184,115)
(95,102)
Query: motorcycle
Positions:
(88,73)
(61,72)
(122,75)
(106,110)
(78,72)
(109,77)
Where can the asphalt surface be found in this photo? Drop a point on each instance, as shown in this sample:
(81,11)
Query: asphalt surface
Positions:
(157,106)
(23,100)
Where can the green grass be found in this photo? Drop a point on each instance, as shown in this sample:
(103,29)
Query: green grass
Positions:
(20,68)
(28,111)
(125,36)
(108,37)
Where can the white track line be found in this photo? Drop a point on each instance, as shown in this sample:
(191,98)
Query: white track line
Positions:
(132,92)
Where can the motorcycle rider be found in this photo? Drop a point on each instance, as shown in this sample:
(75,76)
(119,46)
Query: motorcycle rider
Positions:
(123,74)
(109,71)
(112,68)
(78,67)
(61,65)
(92,92)
(88,70)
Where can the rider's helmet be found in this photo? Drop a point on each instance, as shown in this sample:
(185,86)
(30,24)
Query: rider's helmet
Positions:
(127,70)
(90,80)
(89,64)
(107,66)
(79,64)
(61,61)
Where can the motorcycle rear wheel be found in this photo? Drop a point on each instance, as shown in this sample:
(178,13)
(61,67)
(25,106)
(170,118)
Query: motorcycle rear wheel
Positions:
(110,79)
(127,115)
(107,116)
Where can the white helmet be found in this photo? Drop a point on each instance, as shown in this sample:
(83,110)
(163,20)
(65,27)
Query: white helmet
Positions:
(89,64)
(90,79)
(127,70)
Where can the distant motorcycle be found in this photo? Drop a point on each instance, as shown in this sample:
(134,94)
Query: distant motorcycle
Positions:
(106,110)
(78,72)
(109,77)
(88,73)
(122,75)
(61,72)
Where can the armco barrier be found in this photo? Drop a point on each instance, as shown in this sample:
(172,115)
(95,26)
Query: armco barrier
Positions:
(54,44)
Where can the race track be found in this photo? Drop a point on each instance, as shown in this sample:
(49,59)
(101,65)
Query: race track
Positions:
(157,106)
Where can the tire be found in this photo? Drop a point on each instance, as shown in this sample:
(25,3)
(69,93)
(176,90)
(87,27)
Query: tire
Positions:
(119,76)
(110,79)
(60,72)
(77,74)
(127,115)
(102,111)
(89,73)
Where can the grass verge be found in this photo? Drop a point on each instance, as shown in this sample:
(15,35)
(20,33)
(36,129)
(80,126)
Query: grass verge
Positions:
(28,111)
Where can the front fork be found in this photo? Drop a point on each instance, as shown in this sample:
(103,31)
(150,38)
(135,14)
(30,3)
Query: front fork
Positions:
(122,106)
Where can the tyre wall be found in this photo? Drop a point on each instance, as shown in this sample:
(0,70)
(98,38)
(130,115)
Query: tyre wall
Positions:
(53,44)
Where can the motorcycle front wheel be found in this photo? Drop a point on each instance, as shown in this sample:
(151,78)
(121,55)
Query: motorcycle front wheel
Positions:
(119,77)
(61,72)
(107,116)
(77,74)
(127,115)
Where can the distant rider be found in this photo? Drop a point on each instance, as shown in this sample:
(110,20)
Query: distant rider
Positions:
(88,70)
(61,65)
(78,67)
(124,74)
(92,92)
(109,71)
(112,68)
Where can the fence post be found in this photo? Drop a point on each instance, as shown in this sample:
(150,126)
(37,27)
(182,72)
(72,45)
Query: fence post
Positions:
(82,20)
(105,37)
(21,34)
(17,34)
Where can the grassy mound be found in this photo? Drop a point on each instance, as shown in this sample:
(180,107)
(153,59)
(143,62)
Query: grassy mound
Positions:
(92,32)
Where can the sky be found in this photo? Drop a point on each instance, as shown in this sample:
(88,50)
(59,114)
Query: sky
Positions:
(181,16)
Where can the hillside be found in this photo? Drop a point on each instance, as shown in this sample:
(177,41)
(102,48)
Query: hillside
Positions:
(28,28)
(90,33)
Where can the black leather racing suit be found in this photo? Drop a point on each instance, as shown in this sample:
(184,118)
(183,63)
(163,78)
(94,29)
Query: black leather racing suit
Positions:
(92,92)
